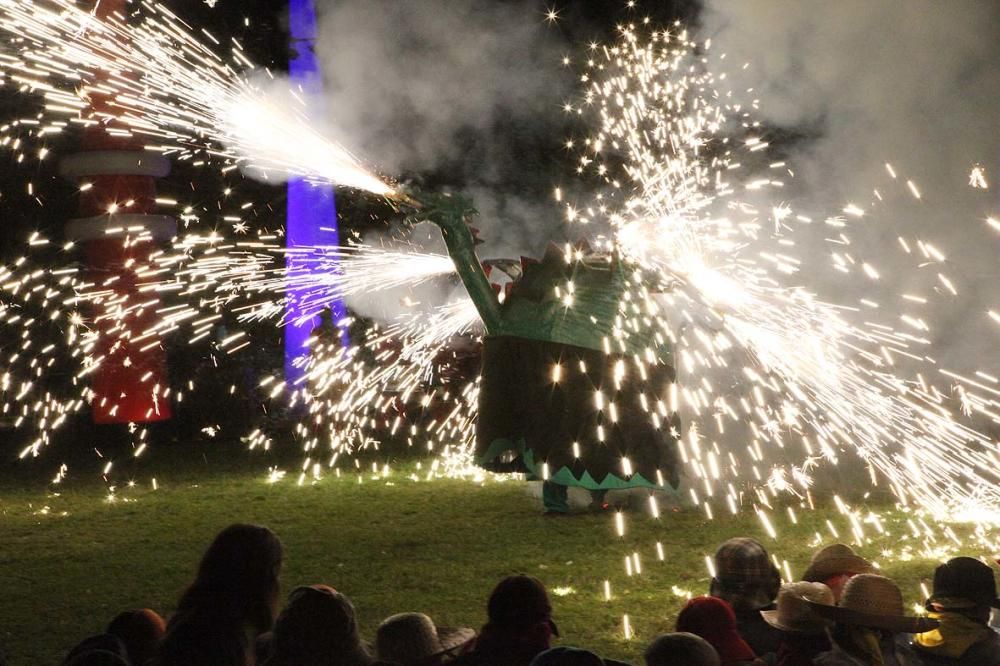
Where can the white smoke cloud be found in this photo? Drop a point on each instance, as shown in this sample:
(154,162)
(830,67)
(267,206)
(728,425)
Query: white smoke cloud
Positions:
(404,78)
(912,83)
(416,87)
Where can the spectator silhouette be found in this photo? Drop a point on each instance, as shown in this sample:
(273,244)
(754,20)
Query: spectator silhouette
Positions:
(964,592)
(139,631)
(519,625)
(681,648)
(746,578)
(713,619)
(232,600)
(318,627)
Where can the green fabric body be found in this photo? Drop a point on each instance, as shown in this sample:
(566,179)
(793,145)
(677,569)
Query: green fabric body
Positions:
(564,476)
(534,310)
(527,419)
(555,498)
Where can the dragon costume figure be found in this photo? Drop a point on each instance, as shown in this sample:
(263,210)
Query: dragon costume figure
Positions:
(573,391)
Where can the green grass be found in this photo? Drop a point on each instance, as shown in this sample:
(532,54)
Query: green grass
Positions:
(71,561)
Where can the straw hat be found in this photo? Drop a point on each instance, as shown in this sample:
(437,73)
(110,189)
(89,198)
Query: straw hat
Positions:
(834,560)
(412,638)
(794,614)
(873,601)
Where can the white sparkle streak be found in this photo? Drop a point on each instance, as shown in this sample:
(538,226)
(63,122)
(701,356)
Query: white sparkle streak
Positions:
(977,178)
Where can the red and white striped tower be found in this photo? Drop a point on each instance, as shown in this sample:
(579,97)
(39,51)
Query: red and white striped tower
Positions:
(117,230)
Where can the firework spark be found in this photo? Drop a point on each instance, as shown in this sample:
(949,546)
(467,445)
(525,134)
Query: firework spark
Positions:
(817,385)
(167,89)
(807,380)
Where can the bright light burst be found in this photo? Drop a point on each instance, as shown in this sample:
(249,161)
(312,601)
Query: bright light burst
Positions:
(800,380)
(168,89)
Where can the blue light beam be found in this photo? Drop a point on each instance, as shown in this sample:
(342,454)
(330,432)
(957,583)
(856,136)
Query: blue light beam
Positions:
(311,212)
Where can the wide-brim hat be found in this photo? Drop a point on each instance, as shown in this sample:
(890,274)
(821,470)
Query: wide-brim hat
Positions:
(453,639)
(413,638)
(567,655)
(103,648)
(317,610)
(794,614)
(834,560)
(873,601)
(316,620)
(961,583)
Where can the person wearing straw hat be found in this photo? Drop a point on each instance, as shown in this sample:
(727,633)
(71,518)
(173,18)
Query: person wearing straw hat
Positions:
(411,639)
(834,565)
(964,594)
(747,579)
(803,632)
(867,621)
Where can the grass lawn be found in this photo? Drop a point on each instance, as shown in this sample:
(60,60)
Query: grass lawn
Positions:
(70,561)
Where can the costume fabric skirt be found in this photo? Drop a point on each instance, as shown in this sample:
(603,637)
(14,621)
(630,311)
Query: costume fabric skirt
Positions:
(531,415)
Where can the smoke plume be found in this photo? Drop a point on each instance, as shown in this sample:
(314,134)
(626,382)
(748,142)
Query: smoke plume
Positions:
(860,84)
(463,89)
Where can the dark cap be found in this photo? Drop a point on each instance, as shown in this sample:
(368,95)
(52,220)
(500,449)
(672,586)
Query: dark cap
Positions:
(963,582)
(744,574)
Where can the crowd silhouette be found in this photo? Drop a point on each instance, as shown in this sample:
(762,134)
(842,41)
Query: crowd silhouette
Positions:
(843,613)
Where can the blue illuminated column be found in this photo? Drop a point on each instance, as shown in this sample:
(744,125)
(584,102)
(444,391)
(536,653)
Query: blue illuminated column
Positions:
(309,206)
